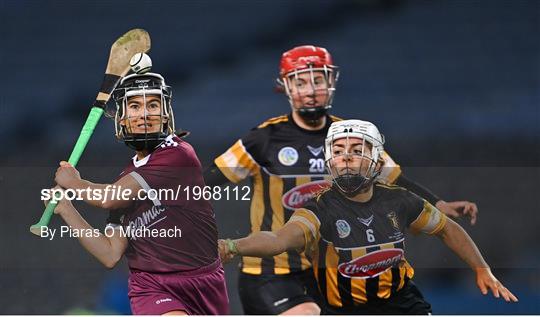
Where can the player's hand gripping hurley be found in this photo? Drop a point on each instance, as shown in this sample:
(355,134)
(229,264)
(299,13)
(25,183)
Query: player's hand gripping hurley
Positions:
(134,41)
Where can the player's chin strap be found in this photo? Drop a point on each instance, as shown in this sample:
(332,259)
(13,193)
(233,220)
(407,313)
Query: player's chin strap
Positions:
(145,141)
(352,184)
(313,113)
(142,141)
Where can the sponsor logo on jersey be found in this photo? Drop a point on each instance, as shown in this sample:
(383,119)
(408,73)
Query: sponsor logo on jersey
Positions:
(372,264)
(297,197)
(146,219)
(316,151)
(288,156)
(159,301)
(281,301)
(169,141)
(343,228)
(366,221)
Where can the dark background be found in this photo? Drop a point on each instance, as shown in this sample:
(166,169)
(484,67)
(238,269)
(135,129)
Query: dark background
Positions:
(454,86)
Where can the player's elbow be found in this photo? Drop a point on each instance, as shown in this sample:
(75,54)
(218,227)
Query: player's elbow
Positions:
(111,261)
(113,204)
(112,257)
(109,265)
(108,204)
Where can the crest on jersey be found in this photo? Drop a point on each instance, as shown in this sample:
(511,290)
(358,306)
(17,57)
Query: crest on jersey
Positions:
(316,151)
(343,228)
(393,219)
(288,156)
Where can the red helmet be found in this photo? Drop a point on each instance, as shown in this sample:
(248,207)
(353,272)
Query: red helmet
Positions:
(304,56)
(312,59)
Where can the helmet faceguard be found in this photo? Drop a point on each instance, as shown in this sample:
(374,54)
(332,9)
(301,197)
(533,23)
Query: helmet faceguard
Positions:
(308,70)
(138,130)
(358,168)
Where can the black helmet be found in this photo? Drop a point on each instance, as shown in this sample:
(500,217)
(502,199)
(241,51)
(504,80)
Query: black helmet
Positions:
(147,84)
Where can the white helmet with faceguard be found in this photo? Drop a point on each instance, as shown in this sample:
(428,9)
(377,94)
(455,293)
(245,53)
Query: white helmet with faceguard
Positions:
(311,60)
(143,135)
(351,180)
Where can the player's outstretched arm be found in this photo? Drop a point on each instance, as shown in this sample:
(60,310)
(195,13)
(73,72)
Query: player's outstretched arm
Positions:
(106,196)
(455,237)
(458,209)
(264,243)
(108,250)
(454,209)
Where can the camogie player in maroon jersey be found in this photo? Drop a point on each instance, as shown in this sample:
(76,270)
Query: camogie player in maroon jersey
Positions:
(170,242)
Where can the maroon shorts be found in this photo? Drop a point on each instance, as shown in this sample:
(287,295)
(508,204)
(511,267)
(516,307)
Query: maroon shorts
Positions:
(199,292)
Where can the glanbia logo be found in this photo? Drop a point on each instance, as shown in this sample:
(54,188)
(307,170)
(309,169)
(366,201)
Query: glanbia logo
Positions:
(371,264)
(297,197)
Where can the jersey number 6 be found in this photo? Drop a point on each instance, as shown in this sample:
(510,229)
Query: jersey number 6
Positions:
(370,236)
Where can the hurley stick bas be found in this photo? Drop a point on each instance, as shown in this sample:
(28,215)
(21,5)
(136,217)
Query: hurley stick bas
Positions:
(134,41)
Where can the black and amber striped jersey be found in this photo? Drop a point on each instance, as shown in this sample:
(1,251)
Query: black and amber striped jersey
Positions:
(286,166)
(357,249)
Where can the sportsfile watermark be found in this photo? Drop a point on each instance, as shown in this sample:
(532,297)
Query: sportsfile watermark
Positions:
(114,192)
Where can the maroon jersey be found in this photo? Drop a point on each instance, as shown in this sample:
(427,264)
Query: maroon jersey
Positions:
(173,166)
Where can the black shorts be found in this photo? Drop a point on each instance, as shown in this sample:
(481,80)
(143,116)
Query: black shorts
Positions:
(274,294)
(407,301)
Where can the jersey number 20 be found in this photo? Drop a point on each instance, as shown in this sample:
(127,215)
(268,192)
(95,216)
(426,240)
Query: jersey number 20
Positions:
(316,165)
